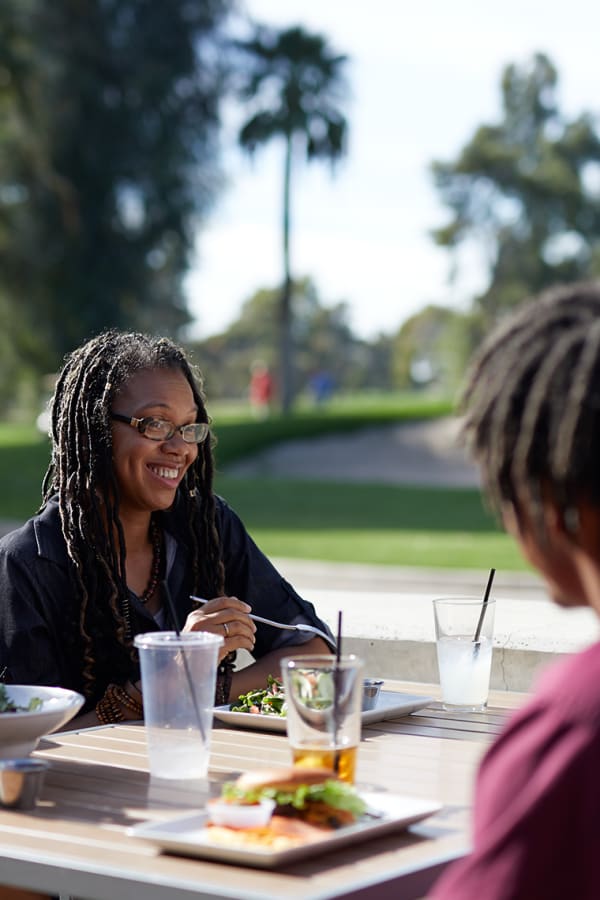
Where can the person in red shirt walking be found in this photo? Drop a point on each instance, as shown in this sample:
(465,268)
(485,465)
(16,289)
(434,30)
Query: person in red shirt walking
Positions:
(260,389)
(532,422)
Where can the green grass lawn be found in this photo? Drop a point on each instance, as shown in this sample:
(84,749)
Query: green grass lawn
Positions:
(345,522)
(24,455)
(375,523)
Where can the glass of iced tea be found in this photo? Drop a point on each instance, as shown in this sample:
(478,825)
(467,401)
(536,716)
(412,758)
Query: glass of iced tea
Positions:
(324,699)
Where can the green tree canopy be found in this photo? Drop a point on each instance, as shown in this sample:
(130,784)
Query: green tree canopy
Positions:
(293,83)
(528,189)
(432,348)
(109,117)
(322,336)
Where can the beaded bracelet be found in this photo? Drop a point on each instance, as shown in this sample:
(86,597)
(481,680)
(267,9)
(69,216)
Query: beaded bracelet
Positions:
(120,695)
(133,691)
(109,708)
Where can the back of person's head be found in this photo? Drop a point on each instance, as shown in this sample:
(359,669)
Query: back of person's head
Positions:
(532,403)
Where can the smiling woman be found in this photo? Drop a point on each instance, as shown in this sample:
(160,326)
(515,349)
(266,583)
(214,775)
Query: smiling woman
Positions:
(128,505)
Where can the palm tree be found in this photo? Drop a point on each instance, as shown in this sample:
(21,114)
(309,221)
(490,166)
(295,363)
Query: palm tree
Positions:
(293,82)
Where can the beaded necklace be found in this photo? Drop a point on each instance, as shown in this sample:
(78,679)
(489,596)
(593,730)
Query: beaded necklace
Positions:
(155,537)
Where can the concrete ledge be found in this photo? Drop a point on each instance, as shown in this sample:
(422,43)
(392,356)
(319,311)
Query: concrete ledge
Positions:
(512,670)
(388,618)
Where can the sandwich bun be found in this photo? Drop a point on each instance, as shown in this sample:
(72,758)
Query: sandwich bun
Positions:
(281,833)
(285,778)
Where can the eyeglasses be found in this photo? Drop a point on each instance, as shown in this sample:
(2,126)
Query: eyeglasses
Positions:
(163,430)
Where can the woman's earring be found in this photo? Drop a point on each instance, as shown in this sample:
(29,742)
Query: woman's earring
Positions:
(192,492)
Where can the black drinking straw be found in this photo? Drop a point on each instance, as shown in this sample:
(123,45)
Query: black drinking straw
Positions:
(336,693)
(486,597)
(188,674)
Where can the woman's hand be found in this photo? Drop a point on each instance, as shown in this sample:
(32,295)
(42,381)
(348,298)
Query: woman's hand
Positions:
(227,617)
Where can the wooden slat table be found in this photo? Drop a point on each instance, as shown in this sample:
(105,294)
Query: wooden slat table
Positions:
(75,842)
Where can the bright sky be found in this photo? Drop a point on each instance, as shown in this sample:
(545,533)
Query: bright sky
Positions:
(422,77)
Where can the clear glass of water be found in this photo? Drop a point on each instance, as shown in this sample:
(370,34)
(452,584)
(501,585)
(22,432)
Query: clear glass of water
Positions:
(464,628)
(178,684)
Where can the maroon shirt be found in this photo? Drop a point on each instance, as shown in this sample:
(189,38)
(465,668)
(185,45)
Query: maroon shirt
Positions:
(537,802)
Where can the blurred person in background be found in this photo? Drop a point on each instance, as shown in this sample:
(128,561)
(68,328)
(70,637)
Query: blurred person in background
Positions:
(260,389)
(128,506)
(322,385)
(532,422)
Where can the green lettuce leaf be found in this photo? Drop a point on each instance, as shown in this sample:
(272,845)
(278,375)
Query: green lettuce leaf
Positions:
(337,794)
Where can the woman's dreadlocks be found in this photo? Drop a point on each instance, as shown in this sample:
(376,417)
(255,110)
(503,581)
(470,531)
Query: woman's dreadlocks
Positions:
(81,473)
(532,404)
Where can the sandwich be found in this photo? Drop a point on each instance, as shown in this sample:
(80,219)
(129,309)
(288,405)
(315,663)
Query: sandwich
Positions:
(313,795)
(303,806)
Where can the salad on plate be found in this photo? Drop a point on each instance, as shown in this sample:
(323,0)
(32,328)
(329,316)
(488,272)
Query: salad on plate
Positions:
(269,701)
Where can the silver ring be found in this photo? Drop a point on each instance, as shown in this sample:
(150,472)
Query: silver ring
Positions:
(226,629)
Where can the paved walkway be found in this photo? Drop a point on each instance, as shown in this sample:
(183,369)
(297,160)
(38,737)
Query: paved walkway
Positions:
(418,453)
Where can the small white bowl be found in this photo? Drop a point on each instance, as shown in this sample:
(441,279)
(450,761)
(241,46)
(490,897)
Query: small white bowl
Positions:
(20,732)
(240,815)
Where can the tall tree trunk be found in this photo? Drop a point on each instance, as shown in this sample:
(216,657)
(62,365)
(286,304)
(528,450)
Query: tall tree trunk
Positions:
(286,366)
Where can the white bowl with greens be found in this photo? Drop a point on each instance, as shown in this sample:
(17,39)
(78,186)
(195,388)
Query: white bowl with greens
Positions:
(28,712)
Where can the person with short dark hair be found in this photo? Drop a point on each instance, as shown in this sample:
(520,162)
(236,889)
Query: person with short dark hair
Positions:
(532,422)
(128,506)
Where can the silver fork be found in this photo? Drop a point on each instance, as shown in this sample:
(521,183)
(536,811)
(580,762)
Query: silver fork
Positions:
(301,626)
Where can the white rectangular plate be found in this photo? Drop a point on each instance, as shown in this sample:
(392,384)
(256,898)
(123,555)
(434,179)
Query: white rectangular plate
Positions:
(188,836)
(391,705)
